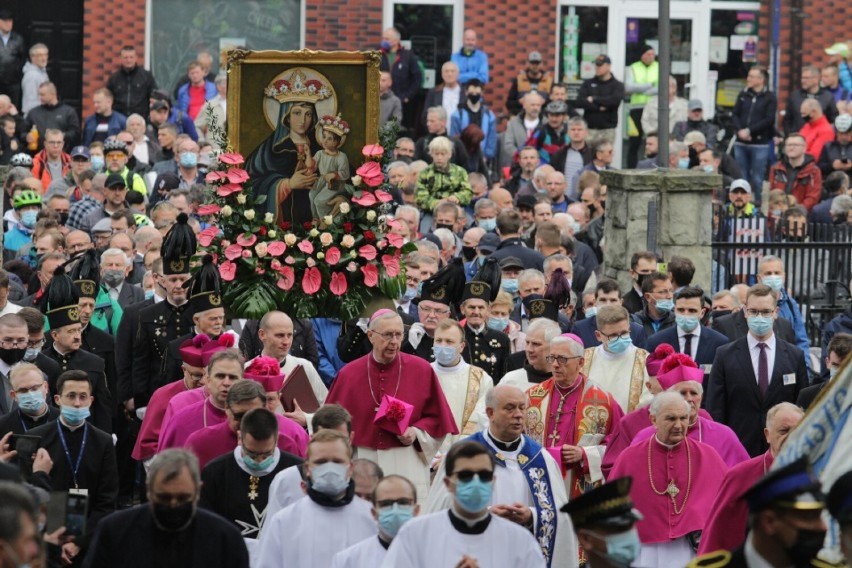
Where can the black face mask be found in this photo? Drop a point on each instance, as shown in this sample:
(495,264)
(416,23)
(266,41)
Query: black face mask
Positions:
(592,210)
(474,98)
(63,218)
(173,519)
(444,226)
(716,314)
(12,356)
(469,253)
(640,278)
(404,159)
(808,544)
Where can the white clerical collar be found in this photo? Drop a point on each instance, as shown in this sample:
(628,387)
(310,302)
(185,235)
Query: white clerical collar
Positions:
(667,446)
(238,456)
(469,522)
(616,356)
(477,330)
(460,366)
(752,556)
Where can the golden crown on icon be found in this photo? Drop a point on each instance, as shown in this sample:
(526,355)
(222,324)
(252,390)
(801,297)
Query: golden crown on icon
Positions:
(334,124)
(297,88)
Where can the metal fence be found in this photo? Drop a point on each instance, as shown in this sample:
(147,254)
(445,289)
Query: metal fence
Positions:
(817,262)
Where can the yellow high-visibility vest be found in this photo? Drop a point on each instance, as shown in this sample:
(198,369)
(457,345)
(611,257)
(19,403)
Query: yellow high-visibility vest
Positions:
(643,74)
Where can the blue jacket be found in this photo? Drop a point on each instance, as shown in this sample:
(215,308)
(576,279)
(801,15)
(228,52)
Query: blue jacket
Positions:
(473,66)
(183,95)
(116,124)
(326,331)
(789,310)
(461,119)
(185,124)
(15,239)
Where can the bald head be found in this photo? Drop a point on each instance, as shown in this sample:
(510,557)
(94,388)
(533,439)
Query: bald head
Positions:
(780,421)
(502,197)
(496,396)
(276,334)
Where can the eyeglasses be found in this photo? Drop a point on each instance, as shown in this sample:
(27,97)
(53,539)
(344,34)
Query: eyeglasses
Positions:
(561,359)
(390,335)
(38,344)
(115,155)
(762,313)
(466,475)
(436,311)
(13,343)
(614,336)
(385,503)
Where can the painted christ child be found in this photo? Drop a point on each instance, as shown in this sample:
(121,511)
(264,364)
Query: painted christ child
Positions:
(331,164)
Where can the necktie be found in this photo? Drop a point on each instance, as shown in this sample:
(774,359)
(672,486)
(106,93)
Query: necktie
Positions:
(687,344)
(762,370)
(113,294)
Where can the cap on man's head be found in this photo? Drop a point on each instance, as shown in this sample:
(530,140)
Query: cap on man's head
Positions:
(793,487)
(602,60)
(167,182)
(607,506)
(535,56)
(526,202)
(740,185)
(160,95)
(80,152)
(488,243)
(102,226)
(6,14)
(645,49)
(556,107)
(694,136)
(843,123)
(839,48)
(694,104)
(115,180)
(511,262)
(159,105)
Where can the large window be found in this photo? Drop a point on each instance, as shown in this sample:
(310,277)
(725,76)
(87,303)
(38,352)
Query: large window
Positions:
(582,37)
(428,30)
(180,29)
(733,49)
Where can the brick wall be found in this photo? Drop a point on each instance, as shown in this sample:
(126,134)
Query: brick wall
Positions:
(342,25)
(106,28)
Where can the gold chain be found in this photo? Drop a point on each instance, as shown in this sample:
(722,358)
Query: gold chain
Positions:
(672,490)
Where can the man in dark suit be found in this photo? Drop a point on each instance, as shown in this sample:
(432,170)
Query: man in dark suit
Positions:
(509,225)
(35,329)
(754,373)
(688,335)
(115,267)
(642,264)
(838,349)
(607,293)
(734,326)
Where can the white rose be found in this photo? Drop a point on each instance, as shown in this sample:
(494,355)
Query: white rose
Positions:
(311,262)
(371,215)
(327,220)
(320,255)
(347,241)
(353,254)
(356,180)
(326,239)
(314,233)
(344,207)
(241,199)
(269,217)
(352,267)
(226,211)
(249,214)
(272,234)
(290,239)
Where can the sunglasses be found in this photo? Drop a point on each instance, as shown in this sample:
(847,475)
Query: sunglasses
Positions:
(484,475)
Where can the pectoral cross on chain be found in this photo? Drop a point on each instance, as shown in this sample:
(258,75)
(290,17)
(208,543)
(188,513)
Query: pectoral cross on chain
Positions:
(672,489)
(554,438)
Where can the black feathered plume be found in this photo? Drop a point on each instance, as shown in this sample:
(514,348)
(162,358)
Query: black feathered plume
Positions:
(178,247)
(490,273)
(60,292)
(558,289)
(205,279)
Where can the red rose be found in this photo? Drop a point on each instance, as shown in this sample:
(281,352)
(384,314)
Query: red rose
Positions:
(285,225)
(347,227)
(307,225)
(262,231)
(369,236)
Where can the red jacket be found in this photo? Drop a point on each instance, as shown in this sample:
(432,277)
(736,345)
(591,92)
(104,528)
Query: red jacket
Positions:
(817,133)
(805,182)
(42,172)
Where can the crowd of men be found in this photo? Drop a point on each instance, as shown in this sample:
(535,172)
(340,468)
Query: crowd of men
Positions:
(514,406)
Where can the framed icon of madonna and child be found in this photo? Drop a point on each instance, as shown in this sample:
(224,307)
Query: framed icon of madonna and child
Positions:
(301,118)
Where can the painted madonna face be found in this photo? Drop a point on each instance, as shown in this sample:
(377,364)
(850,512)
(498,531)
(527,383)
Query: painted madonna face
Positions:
(301,118)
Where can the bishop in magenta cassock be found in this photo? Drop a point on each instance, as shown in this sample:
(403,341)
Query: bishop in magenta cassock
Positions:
(727,523)
(195,359)
(224,369)
(681,374)
(360,387)
(570,416)
(675,480)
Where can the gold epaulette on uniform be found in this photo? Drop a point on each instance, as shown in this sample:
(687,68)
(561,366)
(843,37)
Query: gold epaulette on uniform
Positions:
(715,559)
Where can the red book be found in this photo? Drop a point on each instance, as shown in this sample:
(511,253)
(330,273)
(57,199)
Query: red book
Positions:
(298,386)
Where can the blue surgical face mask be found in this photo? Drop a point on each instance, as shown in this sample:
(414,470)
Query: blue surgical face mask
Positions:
(445,355)
(258,466)
(330,478)
(621,548)
(498,324)
(385,44)
(619,345)
(29,218)
(97,163)
(408,295)
(31,354)
(683,163)
(189,159)
(774,281)
(392,518)
(759,325)
(665,306)
(687,323)
(832,372)
(709,169)
(149,294)
(487,224)
(420,288)
(473,496)
(74,416)
(592,311)
(31,402)
(510,285)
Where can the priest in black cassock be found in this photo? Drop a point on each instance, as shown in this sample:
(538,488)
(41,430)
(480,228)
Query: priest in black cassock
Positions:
(61,307)
(83,455)
(171,530)
(236,485)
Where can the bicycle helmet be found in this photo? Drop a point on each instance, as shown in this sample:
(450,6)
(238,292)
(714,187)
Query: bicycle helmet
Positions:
(142,220)
(26,198)
(21,159)
(842,123)
(113,144)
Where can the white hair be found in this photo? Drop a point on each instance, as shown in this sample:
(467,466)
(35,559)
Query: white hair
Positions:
(374,323)
(576,348)
(115,252)
(529,274)
(549,328)
(665,398)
